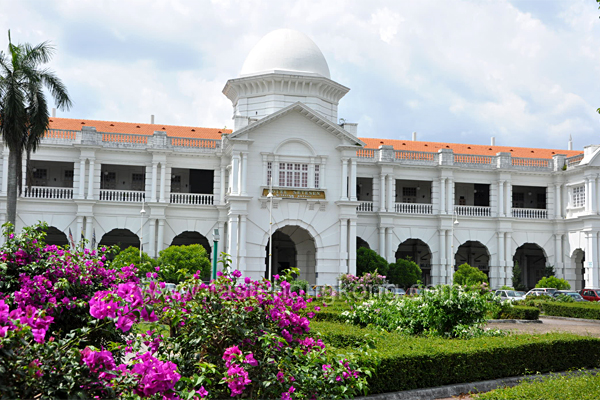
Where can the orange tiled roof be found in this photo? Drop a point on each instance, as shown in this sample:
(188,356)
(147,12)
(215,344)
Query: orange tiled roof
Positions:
(476,149)
(137,128)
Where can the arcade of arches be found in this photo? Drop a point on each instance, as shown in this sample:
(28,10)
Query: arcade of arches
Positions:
(124,238)
(417,250)
(532,261)
(293,246)
(191,237)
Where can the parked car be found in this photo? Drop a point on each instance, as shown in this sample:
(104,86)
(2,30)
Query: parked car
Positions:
(541,292)
(520,293)
(590,294)
(509,295)
(414,291)
(571,293)
(398,291)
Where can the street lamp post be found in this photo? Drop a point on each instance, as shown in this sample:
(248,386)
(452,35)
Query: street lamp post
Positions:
(216,238)
(270,197)
(142,212)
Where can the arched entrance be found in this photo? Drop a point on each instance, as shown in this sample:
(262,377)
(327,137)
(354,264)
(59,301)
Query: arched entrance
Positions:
(532,261)
(419,252)
(360,242)
(123,238)
(475,254)
(55,236)
(293,246)
(190,237)
(578,262)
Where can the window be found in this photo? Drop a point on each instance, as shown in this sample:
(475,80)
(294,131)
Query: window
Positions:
(269,172)
(137,181)
(39,177)
(518,200)
(409,194)
(176,184)
(68,178)
(579,196)
(109,180)
(317,176)
(293,175)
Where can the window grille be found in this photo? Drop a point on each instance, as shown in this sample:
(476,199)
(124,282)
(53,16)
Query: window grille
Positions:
(579,196)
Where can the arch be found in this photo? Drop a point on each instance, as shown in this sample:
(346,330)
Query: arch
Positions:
(295,147)
(192,237)
(419,252)
(578,264)
(55,236)
(293,246)
(532,261)
(475,254)
(360,242)
(124,238)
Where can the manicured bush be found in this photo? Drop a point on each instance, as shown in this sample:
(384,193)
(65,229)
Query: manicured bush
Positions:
(467,275)
(518,312)
(558,387)
(368,260)
(345,335)
(572,310)
(553,282)
(131,255)
(404,273)
(177,263)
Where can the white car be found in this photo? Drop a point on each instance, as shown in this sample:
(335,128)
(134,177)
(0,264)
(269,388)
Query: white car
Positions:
(509,295)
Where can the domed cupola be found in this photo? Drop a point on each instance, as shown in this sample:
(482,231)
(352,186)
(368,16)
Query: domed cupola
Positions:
(284,67)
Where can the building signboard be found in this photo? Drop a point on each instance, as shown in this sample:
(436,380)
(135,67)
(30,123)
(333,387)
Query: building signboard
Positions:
(296,194)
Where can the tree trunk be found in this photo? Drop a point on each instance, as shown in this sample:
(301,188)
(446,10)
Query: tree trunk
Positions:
(29,171)
(12,187)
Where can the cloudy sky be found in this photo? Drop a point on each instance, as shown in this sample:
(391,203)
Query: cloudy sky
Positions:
(524,71)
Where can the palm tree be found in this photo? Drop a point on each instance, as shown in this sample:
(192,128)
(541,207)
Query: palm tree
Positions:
(23,108)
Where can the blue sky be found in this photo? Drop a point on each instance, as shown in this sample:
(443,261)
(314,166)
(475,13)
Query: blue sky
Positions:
(524,71)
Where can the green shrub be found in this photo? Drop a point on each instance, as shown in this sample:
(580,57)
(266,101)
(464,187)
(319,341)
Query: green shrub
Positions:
(298,284)
(368,260)
(467,275)
(404,273)
(558,387)
(131,255)
(553,282)
(430,362)
(572,310)
(518,312)
(516,277)
(179,262)
(506,288)
(534,301)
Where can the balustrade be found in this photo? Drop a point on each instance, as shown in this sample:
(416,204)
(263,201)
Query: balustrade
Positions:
(473,211)
(365,206)
(413,208)
(192,198)
(127,196)
(533,213)
(45,192)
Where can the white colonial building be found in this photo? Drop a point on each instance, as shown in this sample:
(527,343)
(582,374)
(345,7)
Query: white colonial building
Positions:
(441,204)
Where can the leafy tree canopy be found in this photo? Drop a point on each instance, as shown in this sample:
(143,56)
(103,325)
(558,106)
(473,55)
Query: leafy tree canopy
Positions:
(467,275)
(404,273)
(177,262)
(553,282)
(368,260)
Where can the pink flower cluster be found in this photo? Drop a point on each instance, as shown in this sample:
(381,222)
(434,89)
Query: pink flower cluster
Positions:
(20,317)
(353,282)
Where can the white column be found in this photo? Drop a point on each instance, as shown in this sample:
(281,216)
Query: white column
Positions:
(152,237)
(91,173)
(442,195)
(593,195)
(501,198)
(4,173)
(388,245)
(264,170)
(24,174)
(344,179)
(508,200)
(161,236)
(89,226)
(591,263)
(242,249)
(222,242)
(233,241)
(451,251)
(81,178)
(557,202)
(352,245)
(382,194)
(440,276)
(587,194)
(390,196)
(163,178)
(276,171)
(353,179)
(382,242)
(154,179)
(311,173)
(450,195)
(557,255)
(244,174)
(343,246)
(223,188)
(78,230)
(597,194)
(235,174)
(322,175)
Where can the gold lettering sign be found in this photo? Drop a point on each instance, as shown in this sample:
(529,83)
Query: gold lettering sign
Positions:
(296,194)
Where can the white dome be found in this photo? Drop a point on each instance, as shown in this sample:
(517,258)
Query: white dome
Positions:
(285,50)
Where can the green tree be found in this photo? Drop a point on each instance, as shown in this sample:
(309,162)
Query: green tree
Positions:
(131,255)
(404,273)
(553,282)
(467,275)
(516,277)
(23,106)
(368,260)
(177,262)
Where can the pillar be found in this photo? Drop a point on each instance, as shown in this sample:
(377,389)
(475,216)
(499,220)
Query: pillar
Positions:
(152,237)
(450,195)
(502,260)
(154,179)
(557,202)
(382,194)
(591,262)
(90,193)
(593,208)
(4,173)
(78,230)
(450,257)
(382,242)
(559,266)
(235,171)
(352,247)
(233,240)
(222,242)
(322,176)
(163,178)
(438,273)
(242,249)
(390,196)
(24,174)
(508,208)
(344,179)
(388,245)
(508,254)
(244,173)
(353,179)
(501,198)
(161,236)
(587,194)
(89,226)
(223,188)
(343,246)
(81,178)
(442,195)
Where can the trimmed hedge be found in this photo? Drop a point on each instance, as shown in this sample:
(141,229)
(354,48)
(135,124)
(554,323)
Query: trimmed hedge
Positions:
(406,362)
(573,310)
(520,312)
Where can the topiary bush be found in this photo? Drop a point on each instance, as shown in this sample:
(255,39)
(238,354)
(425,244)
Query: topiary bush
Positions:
(467,275)
(517,312)
(177,263)
(553,282)
(131,256)
(368,260)
(572,310)
(404,273)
